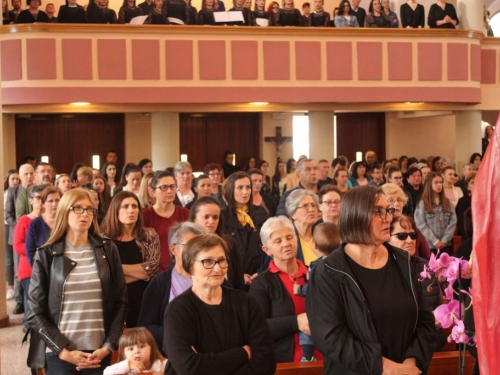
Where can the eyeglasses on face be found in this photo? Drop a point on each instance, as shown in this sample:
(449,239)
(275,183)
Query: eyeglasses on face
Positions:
(382,212)
(331,203)
(210,263)
(404,235)
(166,187)
(91,211)
(394,200)
(308,206)
(215,174)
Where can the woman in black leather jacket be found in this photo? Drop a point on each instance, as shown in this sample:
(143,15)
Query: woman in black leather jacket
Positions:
(78,297)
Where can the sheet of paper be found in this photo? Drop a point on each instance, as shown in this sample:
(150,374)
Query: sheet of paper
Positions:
(262,22)
(233,16)
(139,20)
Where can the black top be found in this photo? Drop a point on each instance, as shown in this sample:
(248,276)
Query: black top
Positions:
(462,205)
(157,18)
(436,13)
(248,17)
(130,253)
(412,18)
(147,8)
(381,21)
(97,15)
(319,19)
(69,14)
(217,333)
(289,17)
(360,14)
(379,286)
(326,181)
(126,14)
(26,17)
(178,9)
(205,17)
(414,194)
(263,14)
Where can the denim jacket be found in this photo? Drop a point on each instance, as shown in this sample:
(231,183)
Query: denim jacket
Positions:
(436,225)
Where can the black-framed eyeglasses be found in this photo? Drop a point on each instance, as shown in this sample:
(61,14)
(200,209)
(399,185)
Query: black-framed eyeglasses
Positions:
(91,211)
(404,235)
(382,212)
(166,187)
(210,263)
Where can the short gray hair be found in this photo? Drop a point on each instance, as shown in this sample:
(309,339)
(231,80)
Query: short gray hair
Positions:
(300,164)
(181,165)
(470,165)
(294,199)
(177,231)
(272,225)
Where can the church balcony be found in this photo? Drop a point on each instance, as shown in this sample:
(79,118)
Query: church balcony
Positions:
(51,64)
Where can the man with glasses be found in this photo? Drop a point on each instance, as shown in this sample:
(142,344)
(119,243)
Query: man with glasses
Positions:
(375,172)
(308,173)
(43,177)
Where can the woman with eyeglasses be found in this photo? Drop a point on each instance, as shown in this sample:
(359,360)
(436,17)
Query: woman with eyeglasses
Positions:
(435,216)
(78,295)
(138,247)
(330,197)
(302,207)
(164,213)
(397,199)
(211,329)
(365,307)
(214,172)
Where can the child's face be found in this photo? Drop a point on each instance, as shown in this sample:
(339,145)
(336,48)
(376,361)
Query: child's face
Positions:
(138,353)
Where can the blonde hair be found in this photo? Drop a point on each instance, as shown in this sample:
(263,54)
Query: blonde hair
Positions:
(61,223)
(143,190)
(390,189)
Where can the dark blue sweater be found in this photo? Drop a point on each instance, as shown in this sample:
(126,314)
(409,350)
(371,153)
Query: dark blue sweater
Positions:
(38,234)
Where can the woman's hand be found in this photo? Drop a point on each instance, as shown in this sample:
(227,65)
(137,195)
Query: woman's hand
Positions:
(80,359)
(100,354)
(303,323)
(408,367)
(249,351)
(440,245)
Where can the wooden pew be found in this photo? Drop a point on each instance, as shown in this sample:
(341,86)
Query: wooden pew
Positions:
(443,363)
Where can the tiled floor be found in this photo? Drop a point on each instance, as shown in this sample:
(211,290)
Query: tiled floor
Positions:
(12,354)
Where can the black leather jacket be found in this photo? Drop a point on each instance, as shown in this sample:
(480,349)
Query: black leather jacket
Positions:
(50,271)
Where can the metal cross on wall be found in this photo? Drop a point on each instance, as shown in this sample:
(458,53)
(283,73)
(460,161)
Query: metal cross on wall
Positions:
(279,140)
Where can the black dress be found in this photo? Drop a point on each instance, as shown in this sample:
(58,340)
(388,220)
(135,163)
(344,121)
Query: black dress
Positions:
(157,18)
(413,18)
(130,253)
(69,14)
(26,17)
(289,17)
(319,19)
(263,15)
(247,16)
(179,10)
(205,17)
(126,14)
(436,13)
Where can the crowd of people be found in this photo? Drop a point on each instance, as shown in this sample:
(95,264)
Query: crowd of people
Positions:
(178,12)
(235,270)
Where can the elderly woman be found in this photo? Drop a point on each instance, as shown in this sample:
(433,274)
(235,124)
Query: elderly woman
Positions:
(82,269)
(169,284)
(302,207)
(183,173)
(164,213)
(138,247)
(285,312)
(397,199)
(243,221)
(404,236)
(329,197)
(206,211)
(365,306)
(211,329)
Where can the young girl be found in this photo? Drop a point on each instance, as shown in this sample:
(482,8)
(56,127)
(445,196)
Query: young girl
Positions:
(138,353)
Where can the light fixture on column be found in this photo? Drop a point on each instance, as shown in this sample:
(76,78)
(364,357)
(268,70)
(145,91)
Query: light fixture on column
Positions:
(359,156)
(45,159)
(184,157)
(96,161)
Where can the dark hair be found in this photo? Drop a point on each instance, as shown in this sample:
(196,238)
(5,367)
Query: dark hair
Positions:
(326,237)
(355,166)
(199,243)
(411,161)
(105,175)
(375,166)
(28,158)
(428,196)
(447,169)
(341,6)
(158,176)
(289,164)
(473,157)
(468,224)
(277,175)
(203,201)
(356,213)
(338,161)
(127,169)
(111,224)
(246,167)
(132,336)
(404,221)
(229,188)
(227,153)
(50,190)
(400,161)
(42,164)
(412,170)
(29,1)
(199,178)
(6,183)
(252,171)
(370,7)
(210,167)
(76,167)
(325,189)
(435,160)
(36,189)
(260,163)
(105,195)
(392,170)
(337,172)
(306,4)
(143,162)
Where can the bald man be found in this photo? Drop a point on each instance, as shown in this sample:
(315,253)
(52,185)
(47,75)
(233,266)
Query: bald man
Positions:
(371,158)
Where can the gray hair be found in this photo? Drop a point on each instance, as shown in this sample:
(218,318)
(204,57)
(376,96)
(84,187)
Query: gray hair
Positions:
(179,230)
(36,189)
(300,164)
(422,165)
(272,225)
(294,199)
(467,165)
(181,165)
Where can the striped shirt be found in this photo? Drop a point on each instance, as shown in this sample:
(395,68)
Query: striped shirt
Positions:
(82,307)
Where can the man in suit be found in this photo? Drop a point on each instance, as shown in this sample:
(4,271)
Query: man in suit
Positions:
(26,175)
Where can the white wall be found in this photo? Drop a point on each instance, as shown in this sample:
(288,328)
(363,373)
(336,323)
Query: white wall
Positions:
(9,142)
(268,150)
(137,138)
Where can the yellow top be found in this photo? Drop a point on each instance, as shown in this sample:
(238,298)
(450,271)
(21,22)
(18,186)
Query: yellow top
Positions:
(307,252)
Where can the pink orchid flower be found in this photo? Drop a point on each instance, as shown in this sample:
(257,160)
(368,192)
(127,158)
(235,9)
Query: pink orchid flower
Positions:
(458,334)
(425,274)
(448,292)
(447,314)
